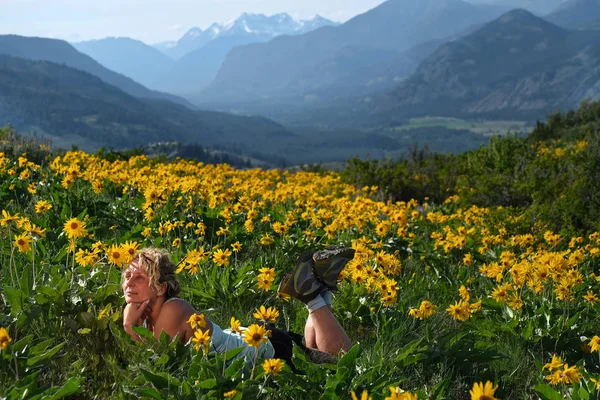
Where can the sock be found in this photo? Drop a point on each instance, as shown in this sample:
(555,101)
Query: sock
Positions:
(327,297)
(315,304)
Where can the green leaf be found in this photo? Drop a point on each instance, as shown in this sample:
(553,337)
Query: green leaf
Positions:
(106,291)
(583,393)
(236,367)
(161,380)
(208,383)
(70,387)
(143,333)
(22,344)
(408,349)
(15,299)
(45,355)
(26,282)
(547,393)
(528,331)
(349,359)
(84,331)
(151,393)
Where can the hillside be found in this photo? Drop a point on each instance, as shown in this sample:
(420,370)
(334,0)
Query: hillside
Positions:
(76,107)
(576,14)
(61,52)
(195,70)
(270,69)
(129,57)
(517,65)
(538,7)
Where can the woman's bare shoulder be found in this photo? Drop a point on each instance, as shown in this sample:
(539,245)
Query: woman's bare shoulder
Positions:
(177,306)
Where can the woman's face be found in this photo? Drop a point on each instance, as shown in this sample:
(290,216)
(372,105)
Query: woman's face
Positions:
(136,285)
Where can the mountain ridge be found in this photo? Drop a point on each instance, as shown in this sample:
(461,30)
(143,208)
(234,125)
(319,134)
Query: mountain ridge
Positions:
(518,64)
(59,51)
(247,23)
(266,69)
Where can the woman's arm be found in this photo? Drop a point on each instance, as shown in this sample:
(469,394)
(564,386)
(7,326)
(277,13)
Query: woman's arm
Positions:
(132,317)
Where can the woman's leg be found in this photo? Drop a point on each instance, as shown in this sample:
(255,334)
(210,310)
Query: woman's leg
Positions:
(323,332)
(310,336)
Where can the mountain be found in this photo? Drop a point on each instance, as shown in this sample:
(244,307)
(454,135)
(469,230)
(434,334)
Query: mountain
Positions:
(517,66)
(267,70)
(538,7)
(129,57)
(194,71)
(61,52)
(198,68)
(247,24)
(72,106)
(576,14)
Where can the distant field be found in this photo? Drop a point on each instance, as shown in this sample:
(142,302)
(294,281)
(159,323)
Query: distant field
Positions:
(482,127)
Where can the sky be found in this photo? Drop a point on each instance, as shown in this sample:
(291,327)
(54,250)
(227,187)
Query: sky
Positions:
(152,21)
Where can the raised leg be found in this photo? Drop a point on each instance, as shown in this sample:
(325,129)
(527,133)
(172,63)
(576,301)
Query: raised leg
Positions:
(323,332)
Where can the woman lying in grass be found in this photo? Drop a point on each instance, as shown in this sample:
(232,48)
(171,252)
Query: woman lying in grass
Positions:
(150,286)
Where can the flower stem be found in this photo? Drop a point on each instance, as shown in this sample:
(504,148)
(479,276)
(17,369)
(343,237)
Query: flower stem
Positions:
(254,362)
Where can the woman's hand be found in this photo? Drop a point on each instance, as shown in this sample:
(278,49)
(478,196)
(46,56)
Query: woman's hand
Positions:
(132,316)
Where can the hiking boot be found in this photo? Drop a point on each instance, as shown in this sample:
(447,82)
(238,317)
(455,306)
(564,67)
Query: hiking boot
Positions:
(329,262)
(302,284)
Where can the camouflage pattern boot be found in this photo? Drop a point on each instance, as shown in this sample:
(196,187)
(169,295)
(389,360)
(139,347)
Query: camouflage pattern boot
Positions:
(328,264)
(302,284)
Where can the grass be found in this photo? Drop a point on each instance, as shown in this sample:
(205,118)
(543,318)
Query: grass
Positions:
(480,127)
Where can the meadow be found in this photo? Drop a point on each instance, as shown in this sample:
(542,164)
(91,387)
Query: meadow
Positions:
(443,300)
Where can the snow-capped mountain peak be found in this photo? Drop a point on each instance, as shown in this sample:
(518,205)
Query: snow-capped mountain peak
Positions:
(258,26)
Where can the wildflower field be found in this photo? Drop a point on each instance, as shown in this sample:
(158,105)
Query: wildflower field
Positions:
(444,300)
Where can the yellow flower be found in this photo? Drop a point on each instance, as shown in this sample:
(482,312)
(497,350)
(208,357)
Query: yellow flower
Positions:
(235,325)
(595,343)
(197,320)
(596,382)
(571,374)
(397,394)
(74,228)
(273,366)
(460,311)
(223,231)
(231,393)
(468,259)
(34,230)
(363,396)
(264,282)
(147,232)
(116,255)
(427,309)
(270,272)
(266,314)
(201,339)
(556,363)
(221,257)
(591,297)
(130,248)
(237,246)
(176,243)
(556,377)
(483,392)
(255,335)
(266,240)
(42,206)
(23,242)
(7,218)
(464,293)
(4,338)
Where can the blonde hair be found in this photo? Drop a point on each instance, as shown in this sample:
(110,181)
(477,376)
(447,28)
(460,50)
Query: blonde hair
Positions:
(159,268)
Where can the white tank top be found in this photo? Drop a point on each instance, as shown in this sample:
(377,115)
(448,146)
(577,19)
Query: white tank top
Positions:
(225,340)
